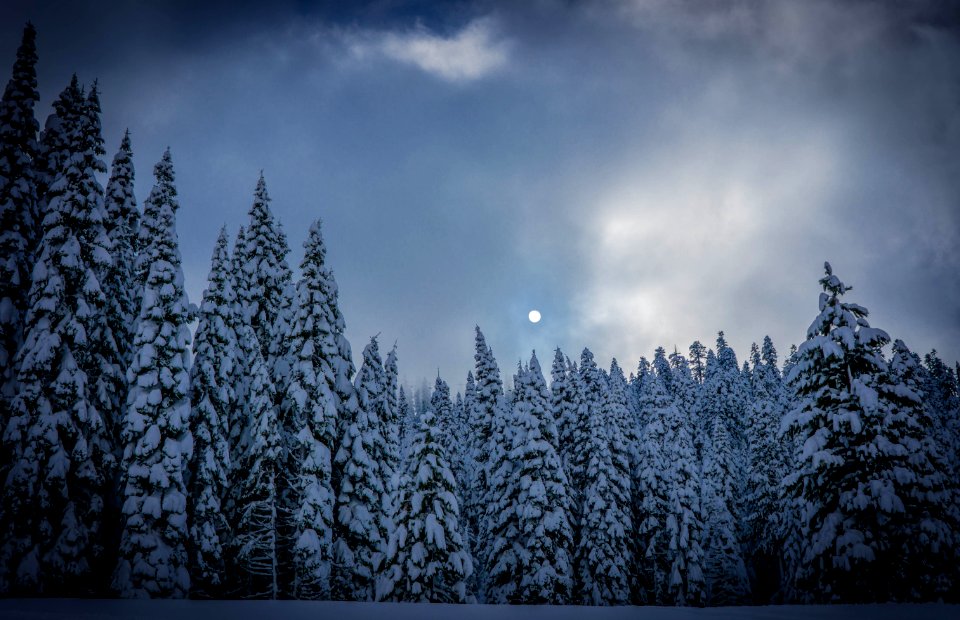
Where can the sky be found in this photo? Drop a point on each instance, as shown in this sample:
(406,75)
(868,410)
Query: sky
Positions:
(642,172)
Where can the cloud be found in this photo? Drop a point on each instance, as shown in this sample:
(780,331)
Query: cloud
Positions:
(472,53)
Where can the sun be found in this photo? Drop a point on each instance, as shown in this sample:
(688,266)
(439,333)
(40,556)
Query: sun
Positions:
(534,316)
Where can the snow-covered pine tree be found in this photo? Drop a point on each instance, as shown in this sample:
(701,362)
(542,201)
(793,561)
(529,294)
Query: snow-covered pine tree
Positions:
(18,225)
(942,403)
(212,399)
(237,424)
(63,464)
(489,394)
(442,408)
(602,552)
(392,423)
(853,475)
(764,517)
(724,567)
(254,508)
(123,225)
(153,559)
(265,271)
(426,558)
(921,563)
(358,516)
(622,434)
(500,525)
(405,412)
(55,146)
(563,409)
(671,522)
(545,537)
(310,412)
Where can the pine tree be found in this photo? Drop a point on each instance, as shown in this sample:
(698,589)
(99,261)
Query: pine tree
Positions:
(670,521)
(265,271)
(724,566)
(563,407)
(426,559)
(500,525)
(544,532)
(310,412)
(602,559)
(254,506)
(763,516)
(942,403)
(855,473)
(122,224)
(212,398)
(489,397)
(238,424)
(18,197)
(358,523)
(924,535)
(153,546)
(55,146)
(55,493)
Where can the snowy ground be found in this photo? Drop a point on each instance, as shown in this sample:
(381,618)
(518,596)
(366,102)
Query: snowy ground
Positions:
(57,609)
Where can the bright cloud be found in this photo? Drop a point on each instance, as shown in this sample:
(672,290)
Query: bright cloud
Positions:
(473,53)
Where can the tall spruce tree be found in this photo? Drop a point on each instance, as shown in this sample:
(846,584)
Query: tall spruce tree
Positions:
(265,270)
(602,558)
(123,225)
(545,537)
(855,472)
(18,214)
(212,399)
(426,558)
(489,397)
(358,522)
(309,410)
(254,504)
(153,559)
(56,491)
(670,558)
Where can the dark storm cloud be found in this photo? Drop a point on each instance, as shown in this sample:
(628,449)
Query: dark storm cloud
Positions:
(642,172)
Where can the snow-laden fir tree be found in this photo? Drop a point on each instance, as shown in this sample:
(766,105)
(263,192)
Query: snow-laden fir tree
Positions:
(123,225)
(698,355)
(55,145)
(489,397)
(426,558)
(670,558)
(602,551)
(18,225)
(309,409)
(443,411)
(153,559)
(265,271)
(63,464)
(764,517)
(724,567)
(212,399)
(358,518)
(545,537)
(499,531)
(922,561)
(942,403)
(622,433)
(405,412)
(237,422)
(563,408)
(859,460)
(392,423)
(254,508)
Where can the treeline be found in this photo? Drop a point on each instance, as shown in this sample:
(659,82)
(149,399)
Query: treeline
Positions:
(252,459)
